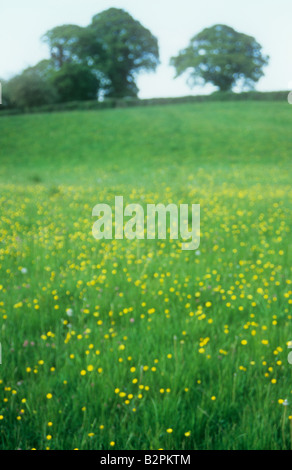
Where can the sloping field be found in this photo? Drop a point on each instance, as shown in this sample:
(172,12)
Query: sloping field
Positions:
(137,344)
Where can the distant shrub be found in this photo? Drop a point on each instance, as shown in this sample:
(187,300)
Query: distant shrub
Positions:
(28,90)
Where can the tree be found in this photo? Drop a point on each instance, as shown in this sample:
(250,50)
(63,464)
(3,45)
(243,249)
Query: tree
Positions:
(120,47)
(30,88)
(115,47)
(75,82)
(73,76)
(221,56)
(63,43)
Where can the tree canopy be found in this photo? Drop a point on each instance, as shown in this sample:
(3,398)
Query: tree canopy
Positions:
(127,49)
(221,56)
(63,42)
(31,88)
(75,82)
(105,58)
(115,47)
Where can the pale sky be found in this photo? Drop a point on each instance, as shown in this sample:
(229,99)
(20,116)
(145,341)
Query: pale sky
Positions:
(173,22)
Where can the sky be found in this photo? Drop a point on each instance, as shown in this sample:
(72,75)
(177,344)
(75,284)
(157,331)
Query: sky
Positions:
(173,22)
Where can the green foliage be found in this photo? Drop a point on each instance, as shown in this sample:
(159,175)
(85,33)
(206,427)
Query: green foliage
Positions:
(221,56)
(44,69)
(63,43)
(104,59)
(128,48)
(30,88)
(75,82)
(114,46)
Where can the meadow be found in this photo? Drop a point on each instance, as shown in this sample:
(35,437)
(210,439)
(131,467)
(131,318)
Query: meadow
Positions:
(136,344)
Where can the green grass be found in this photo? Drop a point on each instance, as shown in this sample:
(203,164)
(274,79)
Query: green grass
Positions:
(162,328)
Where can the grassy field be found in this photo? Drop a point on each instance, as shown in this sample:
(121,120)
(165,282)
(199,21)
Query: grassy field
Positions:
(119,344)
